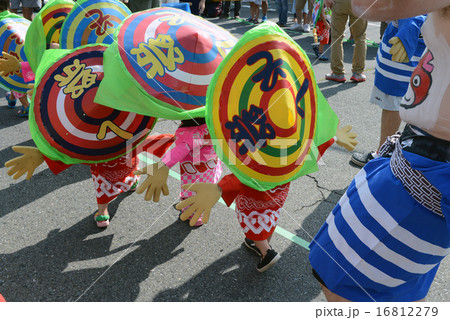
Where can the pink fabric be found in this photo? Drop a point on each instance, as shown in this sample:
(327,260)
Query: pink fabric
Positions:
(27,73)
(18,95)
(195,154)
(28,76)
(116,176)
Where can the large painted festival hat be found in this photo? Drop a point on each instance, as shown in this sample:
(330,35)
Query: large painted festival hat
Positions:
(13,29)
(92,21)
(162,61)
(265,112)
(45,29)
(66,124)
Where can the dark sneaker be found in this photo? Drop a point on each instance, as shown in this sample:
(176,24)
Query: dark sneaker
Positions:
(251,245)
(316,50)
(358,77)
(282,25)
(336,77)
(360,159)
(322,57)
(269,260)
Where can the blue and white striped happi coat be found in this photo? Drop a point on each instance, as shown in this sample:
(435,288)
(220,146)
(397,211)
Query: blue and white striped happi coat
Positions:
(379,244)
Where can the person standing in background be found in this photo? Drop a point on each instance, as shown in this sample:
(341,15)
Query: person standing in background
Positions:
(226,9)
(140,5)
(27,7)
(303,8)
(342,11)
(398,55)
(282,13)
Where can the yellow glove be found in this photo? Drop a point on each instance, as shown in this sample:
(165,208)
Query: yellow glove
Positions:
(398,50)
(345,138)
(155,182)
(28,162)
(206,196)
(9,64)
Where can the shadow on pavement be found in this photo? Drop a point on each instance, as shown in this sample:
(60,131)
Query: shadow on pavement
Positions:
(234,278)
(40,184)
(38,272)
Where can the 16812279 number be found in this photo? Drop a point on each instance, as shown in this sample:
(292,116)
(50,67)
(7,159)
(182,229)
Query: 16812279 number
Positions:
(407,311)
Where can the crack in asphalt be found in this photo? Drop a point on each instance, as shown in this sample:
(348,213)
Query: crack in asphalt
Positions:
(323,197)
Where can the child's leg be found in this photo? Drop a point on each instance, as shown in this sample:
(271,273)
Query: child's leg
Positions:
(110,179)
(268,256)
(259,221)
(263,246)
(264,7)
(101,217)
(305,16)
(23,112)
(321,46)
(11,99)
(102,209)
(254,10)
(24,101)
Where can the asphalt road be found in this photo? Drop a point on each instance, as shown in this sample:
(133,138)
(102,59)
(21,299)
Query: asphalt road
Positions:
(51,250)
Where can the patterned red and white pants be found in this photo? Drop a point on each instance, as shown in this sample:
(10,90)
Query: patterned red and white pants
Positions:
(113,177)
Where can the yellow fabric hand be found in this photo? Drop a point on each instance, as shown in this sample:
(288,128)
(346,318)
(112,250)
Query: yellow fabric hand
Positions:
(8,64)
(155,182)
(27,163)
(206,196)
(30,92)
(398,50)
(345,138)
(316,39)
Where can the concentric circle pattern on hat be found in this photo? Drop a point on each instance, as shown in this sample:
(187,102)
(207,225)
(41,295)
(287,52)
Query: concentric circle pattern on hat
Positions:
(92,21)
(53,18)
(261,110)
(172,54)
(12,38)
(71,123)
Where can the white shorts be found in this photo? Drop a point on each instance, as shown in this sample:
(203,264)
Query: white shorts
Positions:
(385,101)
